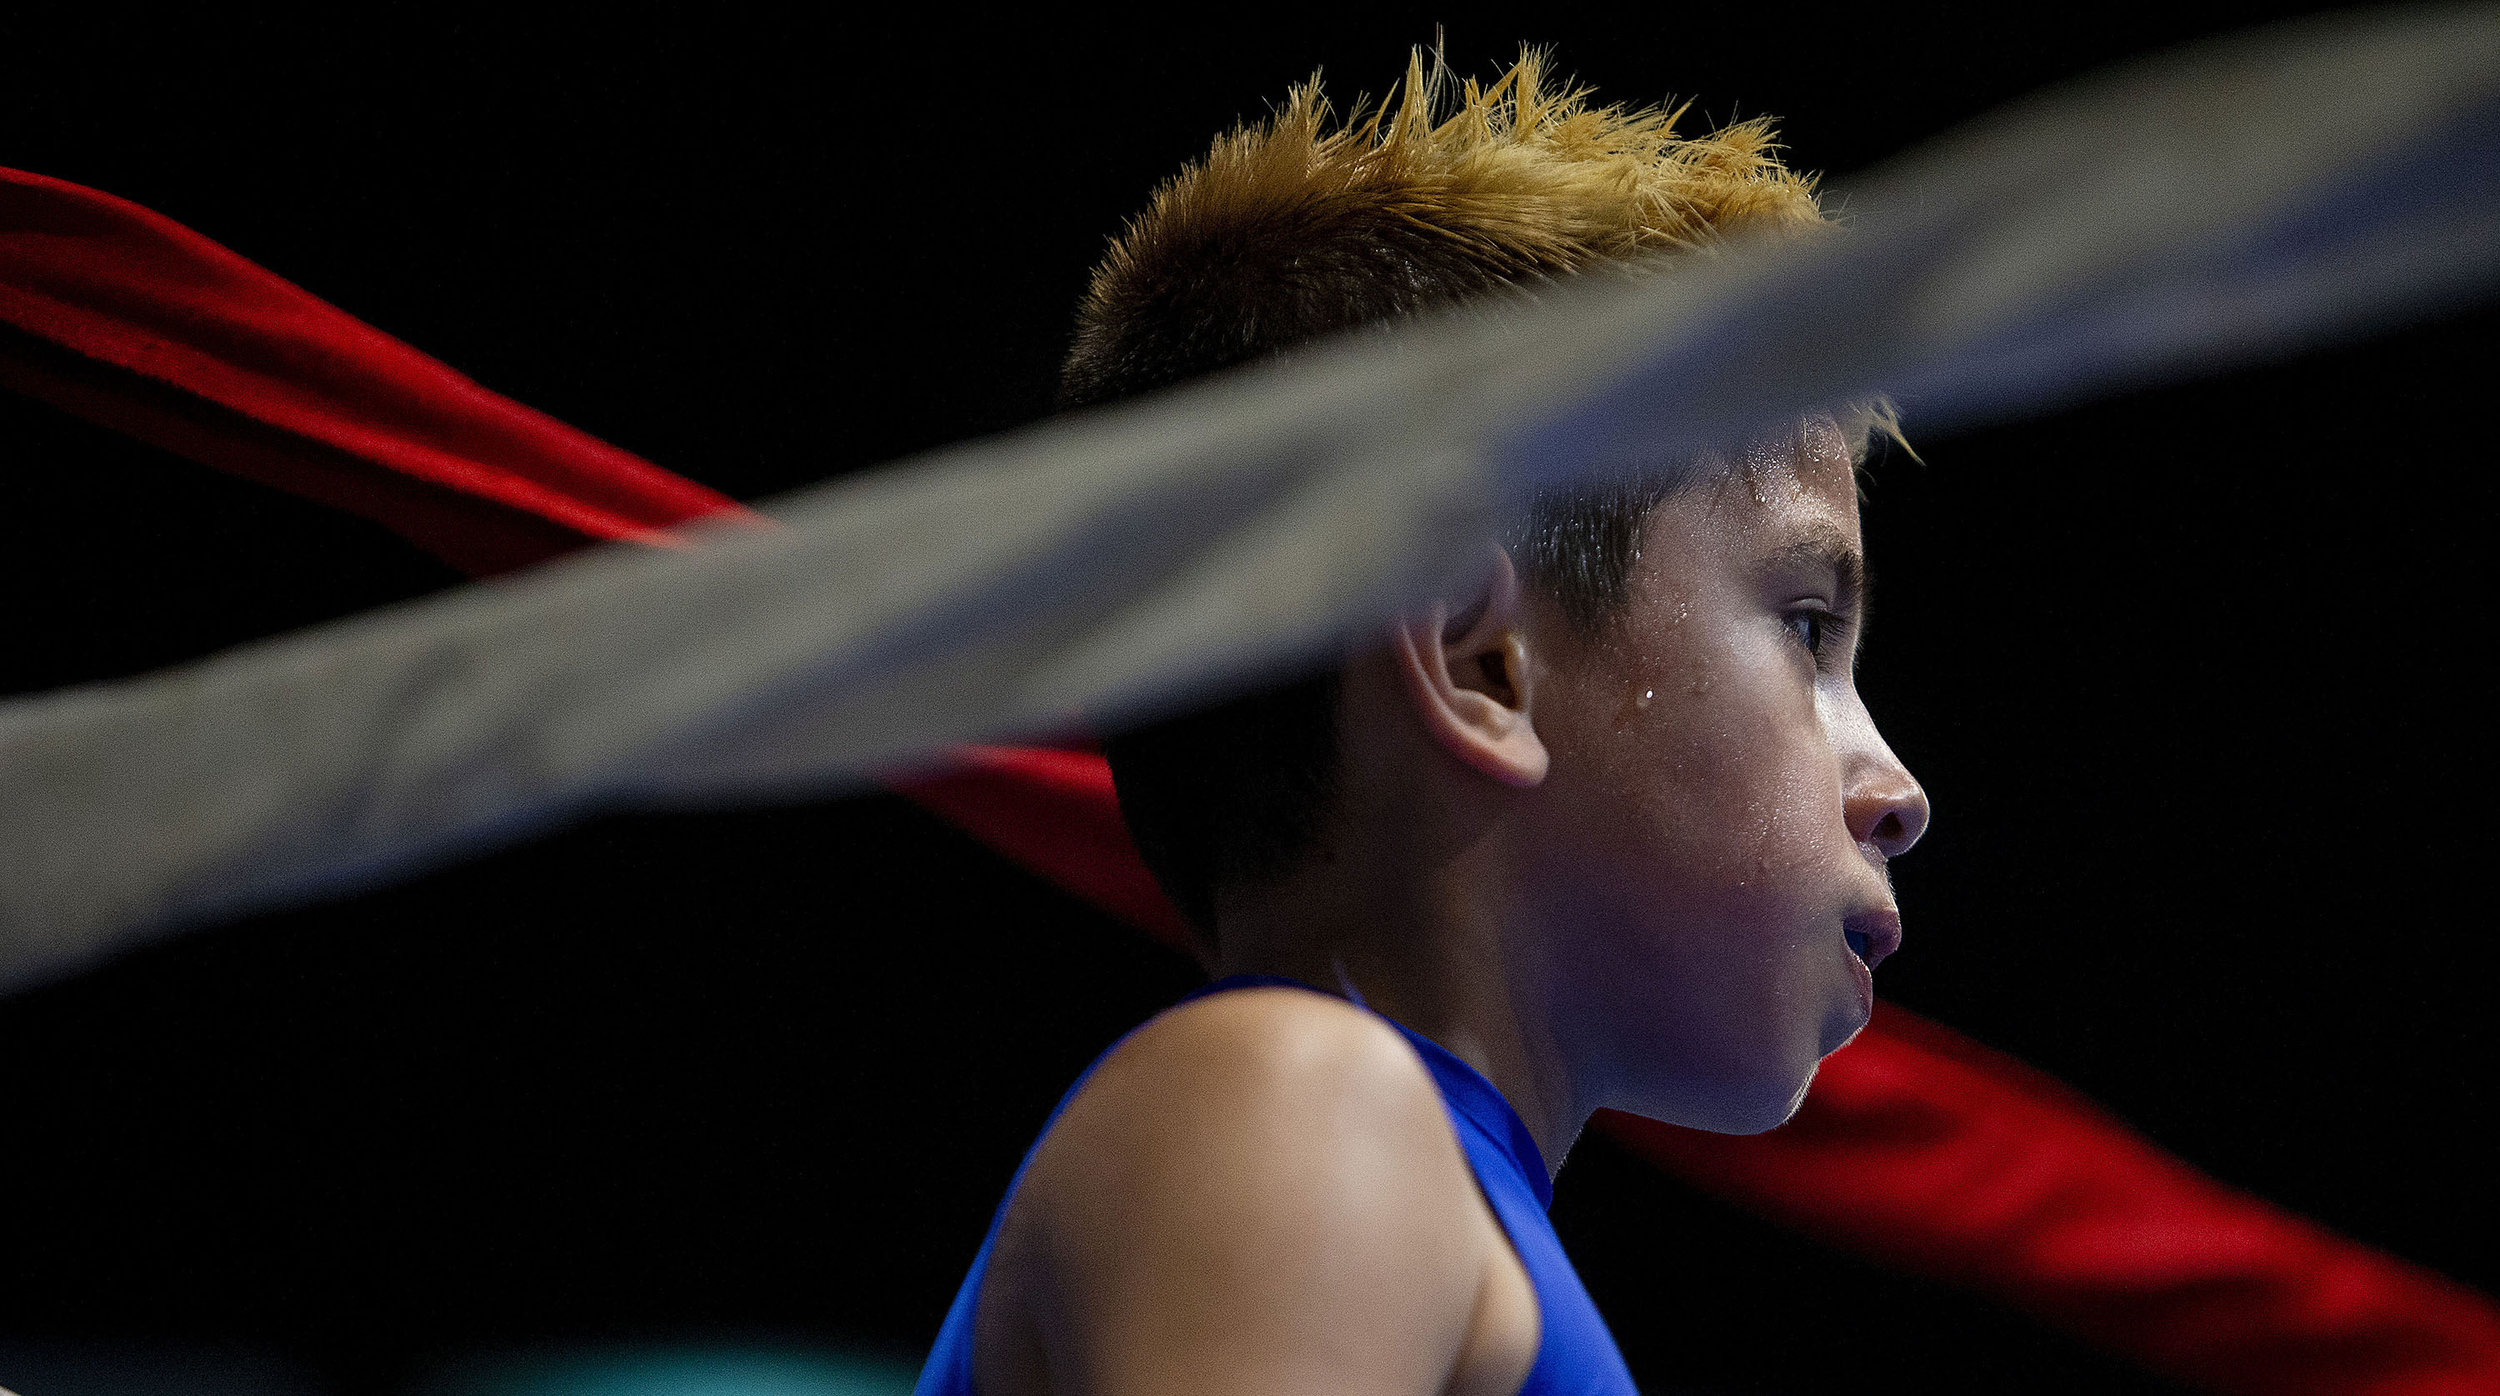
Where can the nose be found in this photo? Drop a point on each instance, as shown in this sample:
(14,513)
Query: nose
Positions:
(1885,806)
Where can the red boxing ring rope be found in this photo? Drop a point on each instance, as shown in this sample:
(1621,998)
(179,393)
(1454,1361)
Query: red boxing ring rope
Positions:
(1918,1148)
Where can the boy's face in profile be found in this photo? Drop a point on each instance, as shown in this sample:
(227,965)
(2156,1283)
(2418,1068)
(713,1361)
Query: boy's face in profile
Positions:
(1716,820)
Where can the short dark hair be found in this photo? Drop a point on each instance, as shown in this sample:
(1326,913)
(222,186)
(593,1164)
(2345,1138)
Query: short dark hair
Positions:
(1291,230)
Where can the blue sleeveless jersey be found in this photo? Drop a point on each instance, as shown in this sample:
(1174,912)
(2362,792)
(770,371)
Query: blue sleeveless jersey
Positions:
(1575,1356)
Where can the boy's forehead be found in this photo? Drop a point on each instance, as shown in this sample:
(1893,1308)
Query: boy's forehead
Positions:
(1804,477)
(1786,499)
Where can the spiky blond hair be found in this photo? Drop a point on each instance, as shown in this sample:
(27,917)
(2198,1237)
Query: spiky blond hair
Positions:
(1299,225)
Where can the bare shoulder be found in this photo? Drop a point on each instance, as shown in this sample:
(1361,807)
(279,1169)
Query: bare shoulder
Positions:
(1235,1061)
(1261,1183)
(1275,1100)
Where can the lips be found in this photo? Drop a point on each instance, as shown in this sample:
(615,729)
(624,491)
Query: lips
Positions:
(1872,935)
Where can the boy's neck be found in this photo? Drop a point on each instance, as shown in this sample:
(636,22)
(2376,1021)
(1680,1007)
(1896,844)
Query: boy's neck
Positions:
(1429,960)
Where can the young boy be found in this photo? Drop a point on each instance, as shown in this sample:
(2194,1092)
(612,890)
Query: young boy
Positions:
(1611,832)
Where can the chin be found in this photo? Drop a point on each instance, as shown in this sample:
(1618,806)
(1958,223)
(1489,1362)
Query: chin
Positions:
(1775,1107)
(1752,1106)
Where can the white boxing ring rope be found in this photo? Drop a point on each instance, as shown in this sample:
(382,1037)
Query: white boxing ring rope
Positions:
(2243,199)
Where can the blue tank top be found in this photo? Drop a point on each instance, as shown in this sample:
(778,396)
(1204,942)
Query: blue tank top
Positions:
(1575,1354)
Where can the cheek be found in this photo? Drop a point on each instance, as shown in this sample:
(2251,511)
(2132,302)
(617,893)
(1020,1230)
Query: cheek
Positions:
(1693,835)
(1707,770)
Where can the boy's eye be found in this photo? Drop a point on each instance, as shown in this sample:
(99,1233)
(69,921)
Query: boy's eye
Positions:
(1821,632)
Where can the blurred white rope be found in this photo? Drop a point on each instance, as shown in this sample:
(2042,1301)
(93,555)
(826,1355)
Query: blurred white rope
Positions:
(2246,198)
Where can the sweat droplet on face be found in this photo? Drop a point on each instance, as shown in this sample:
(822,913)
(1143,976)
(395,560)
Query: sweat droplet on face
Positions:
(1633,707)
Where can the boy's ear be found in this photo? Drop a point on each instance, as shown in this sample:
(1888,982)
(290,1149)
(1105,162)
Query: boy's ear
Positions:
(1468,676)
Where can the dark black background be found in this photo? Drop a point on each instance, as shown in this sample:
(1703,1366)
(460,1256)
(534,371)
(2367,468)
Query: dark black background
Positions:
(2195,677)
